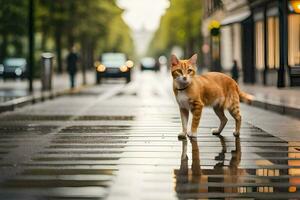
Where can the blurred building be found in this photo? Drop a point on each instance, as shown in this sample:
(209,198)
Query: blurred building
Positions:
(213,13)
(263,36)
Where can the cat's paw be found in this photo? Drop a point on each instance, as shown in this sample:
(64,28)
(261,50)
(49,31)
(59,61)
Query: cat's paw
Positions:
(181,136)
(192,135)
(236,134)
(215,132)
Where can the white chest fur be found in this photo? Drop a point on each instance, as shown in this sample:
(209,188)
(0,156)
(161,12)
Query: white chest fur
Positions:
(183,100)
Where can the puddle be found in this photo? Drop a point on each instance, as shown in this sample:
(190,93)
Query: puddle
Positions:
(228,177)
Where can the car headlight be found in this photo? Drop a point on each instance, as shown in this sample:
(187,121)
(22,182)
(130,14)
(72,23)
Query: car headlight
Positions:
(123,68)
(101,68)
(129,64)
(18,72)
(96,64)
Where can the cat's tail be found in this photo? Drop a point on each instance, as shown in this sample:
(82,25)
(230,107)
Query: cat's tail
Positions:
(246,98)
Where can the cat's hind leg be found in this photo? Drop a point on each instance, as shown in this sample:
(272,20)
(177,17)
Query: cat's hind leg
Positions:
(223,120)
(234,110)
(184,114)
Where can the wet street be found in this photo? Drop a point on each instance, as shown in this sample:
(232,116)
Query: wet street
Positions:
(119,141)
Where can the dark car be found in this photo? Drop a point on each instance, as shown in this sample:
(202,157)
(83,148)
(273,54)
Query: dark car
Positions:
(13,68)
(149,63)
(114,65)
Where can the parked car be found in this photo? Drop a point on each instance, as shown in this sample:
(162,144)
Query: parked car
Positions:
(13,68)
(148,63)
(1,69)
(114,65)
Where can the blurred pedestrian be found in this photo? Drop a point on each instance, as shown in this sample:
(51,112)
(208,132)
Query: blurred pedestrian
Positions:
(235,71)
(72,60)
(157,65)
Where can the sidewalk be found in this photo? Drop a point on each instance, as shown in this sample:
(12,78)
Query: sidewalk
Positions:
(14,93)
(284,101)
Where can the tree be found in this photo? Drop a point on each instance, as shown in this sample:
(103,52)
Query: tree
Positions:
(87,23)
(13,21)
(56,16)
(180,26)
(94,26)
(119,36)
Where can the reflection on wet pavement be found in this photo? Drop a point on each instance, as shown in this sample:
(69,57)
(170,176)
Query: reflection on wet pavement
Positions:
(266,178)
(126,147)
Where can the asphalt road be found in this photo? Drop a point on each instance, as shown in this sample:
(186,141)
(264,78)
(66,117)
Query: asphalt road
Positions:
(118,141)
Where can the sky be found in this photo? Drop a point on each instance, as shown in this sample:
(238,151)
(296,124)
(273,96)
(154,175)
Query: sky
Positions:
(143,13)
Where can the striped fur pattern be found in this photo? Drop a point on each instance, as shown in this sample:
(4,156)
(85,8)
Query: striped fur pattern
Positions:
(214,89)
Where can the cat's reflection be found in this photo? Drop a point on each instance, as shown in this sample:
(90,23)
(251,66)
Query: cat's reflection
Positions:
(235,155)
(196,170)
(195,180)
(228,171)
(187,178)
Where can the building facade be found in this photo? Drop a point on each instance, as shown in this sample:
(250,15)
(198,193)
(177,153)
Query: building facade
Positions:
(263,36)
(233,37)
(213,12)
(276,41)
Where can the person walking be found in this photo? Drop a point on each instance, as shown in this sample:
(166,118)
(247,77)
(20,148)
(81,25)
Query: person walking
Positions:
(235,71)
(72,60)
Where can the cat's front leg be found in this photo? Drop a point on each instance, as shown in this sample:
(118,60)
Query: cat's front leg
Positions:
(184,114)
(196,111)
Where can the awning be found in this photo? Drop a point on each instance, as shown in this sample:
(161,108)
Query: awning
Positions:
(235,18)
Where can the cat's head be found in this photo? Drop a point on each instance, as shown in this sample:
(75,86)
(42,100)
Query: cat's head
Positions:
(183,70)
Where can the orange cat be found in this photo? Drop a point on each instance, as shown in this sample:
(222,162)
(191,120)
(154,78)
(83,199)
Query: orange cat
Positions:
(193,92)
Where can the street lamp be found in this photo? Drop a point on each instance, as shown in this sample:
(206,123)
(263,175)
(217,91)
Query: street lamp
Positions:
(31,44)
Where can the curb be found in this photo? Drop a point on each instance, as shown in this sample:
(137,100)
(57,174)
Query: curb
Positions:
(36,98)
(277,107)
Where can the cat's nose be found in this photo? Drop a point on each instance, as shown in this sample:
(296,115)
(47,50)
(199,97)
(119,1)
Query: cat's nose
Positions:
(184,78)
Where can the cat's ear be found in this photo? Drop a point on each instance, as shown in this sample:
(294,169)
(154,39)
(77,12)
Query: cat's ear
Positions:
(174,60)
(193,59)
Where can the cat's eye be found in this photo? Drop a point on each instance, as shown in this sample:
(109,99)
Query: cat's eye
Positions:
(178,71)
(190,71)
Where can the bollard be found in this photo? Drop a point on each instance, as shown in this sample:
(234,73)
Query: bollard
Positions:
(47,67)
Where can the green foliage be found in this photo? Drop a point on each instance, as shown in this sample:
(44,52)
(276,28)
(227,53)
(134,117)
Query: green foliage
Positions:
(96,20)
(180,26)
(118,38)
(13,17)
(93,25)
(13,26)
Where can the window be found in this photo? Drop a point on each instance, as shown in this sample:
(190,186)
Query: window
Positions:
(273,42)
(259,45)
(294,40)
(265,189)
